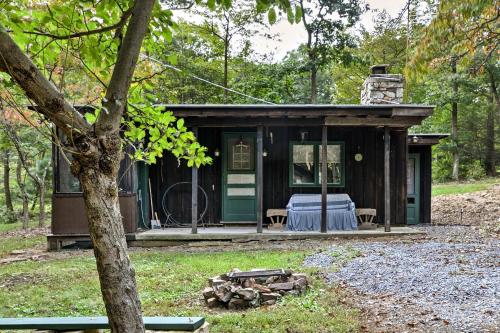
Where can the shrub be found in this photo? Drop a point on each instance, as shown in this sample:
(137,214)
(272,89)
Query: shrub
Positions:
(7,216)
(475,170)
(442,166)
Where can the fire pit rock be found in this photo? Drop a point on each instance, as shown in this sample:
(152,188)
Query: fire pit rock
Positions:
(240,290)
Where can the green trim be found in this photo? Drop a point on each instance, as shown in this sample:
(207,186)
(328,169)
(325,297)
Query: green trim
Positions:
(188,324)
(225,186)
(317,145)
(416,194)
(143,186)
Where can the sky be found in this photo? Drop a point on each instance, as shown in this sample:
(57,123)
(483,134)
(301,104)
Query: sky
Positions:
(291,36)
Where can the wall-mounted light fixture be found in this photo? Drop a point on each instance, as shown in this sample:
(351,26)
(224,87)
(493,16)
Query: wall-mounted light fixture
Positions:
(358,157)
(414,139)
(265,153)
(303,135)
(216,152)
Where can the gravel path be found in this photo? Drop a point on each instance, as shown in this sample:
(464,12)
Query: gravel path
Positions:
(449,282)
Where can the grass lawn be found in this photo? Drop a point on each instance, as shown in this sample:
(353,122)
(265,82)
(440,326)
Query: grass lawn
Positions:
(6,227)
(170,284)
(18,242)
(464,187)
(10,244)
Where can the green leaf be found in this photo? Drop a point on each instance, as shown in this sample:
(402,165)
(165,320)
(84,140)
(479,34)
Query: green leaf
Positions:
(261,6)
(180,123)
(154,134)
(172,59)
(91,118)
(290,16)
(211,4)
(271,15)
(298,14)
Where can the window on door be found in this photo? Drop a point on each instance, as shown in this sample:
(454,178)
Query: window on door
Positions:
(241,154)
(410,179)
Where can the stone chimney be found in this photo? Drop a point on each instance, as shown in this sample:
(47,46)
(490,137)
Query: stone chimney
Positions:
(382,88)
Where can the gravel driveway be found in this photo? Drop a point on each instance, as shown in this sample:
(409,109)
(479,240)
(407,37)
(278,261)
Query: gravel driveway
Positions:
(449,282)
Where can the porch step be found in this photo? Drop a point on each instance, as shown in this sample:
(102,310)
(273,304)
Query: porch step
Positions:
(238,223)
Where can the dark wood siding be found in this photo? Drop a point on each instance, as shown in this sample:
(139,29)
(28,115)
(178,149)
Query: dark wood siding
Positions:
(364,179)
(69,216)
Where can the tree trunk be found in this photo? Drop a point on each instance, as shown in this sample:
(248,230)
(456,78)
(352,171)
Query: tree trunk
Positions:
(24,195)
(34,202)
(41,216)
(116,274)
(97,170)
(99,148)
(314,83)
(6,181)
(226,60)
(490,161)
(454,120)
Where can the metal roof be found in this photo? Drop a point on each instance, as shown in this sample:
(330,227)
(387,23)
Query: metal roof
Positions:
(293,106)
(395,115)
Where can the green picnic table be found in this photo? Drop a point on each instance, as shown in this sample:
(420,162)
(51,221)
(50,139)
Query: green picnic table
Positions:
(61,324)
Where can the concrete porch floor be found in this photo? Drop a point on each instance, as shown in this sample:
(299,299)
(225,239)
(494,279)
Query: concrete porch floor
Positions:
(170,236)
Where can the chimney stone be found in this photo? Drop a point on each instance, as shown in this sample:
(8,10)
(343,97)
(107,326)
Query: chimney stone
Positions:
(382,88)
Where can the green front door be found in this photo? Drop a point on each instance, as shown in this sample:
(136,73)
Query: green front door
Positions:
(238,177)
(413,189)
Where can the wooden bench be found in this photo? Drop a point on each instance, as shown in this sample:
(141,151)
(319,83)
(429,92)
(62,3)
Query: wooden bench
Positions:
(96,324)
(277,217)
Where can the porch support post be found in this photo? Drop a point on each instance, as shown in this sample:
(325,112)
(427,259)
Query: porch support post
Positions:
(194,193)
(324,179)
(260,177)
(387,182)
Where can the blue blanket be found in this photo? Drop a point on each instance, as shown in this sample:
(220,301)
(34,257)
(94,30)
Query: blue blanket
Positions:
(304,212)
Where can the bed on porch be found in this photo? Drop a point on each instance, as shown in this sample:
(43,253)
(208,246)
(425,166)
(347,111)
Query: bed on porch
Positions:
(304,212)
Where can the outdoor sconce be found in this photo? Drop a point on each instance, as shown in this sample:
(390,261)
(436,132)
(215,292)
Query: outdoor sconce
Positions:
(264,153)
(303,135)
(414,139)
(216,152)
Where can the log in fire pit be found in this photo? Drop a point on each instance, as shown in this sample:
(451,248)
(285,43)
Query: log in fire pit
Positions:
(241,290)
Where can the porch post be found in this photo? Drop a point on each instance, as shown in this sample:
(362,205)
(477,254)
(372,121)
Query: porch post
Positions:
(387,183)
(260,176)
(324,178)
(194,193)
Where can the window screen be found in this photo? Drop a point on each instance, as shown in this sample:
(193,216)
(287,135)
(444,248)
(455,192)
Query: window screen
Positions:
(303,164)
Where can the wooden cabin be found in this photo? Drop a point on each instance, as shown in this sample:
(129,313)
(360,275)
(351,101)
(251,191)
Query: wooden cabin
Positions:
(263,154)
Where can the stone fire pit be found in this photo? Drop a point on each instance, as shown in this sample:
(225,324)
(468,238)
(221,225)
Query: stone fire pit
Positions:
(241,290)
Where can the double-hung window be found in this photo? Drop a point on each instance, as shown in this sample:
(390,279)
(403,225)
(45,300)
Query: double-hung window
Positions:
(305,164)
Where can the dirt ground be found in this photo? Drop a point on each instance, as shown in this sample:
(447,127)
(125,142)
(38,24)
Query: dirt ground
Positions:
(478,209)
